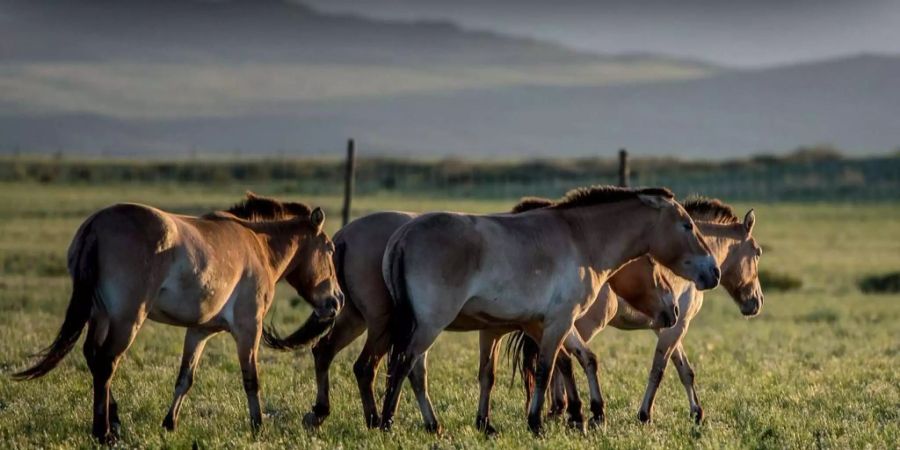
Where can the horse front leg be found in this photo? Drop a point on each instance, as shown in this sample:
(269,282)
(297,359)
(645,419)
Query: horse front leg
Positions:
(664,347)
(588,361)
(489,346)
(686,374)
(564,371)
(194,341)
(551,340)
(347,327)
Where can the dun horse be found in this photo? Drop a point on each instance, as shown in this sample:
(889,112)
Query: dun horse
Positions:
(360,247)
(214,273)
(736,253)
(537,270)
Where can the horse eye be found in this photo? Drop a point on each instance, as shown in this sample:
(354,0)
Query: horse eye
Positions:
(688,226)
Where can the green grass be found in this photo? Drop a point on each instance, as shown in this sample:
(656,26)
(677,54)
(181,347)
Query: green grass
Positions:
(818,368)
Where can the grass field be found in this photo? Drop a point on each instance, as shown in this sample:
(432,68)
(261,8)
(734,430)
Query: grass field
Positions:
(819,368)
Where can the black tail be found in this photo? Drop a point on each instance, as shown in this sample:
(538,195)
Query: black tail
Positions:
(314,328)
(522,352)
(83,265)
(403,319)
(308,334)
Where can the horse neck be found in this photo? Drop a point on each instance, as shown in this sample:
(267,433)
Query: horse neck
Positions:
(280,240)
(611,234)
(721,238)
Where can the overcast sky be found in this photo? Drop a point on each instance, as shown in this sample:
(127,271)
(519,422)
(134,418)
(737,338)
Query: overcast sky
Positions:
(747,33)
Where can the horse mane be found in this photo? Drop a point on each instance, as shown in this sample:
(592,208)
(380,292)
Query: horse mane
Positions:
(256,208)
(588,196)
(710,210)
(529,203)
(595,195)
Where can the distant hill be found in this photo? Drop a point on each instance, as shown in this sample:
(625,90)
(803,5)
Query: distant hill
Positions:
(263,77)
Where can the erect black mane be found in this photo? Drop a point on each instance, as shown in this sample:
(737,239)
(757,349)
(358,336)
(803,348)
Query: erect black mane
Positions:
(710,210)
(257,208)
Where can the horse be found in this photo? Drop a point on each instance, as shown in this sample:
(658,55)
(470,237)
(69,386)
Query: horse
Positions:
(441,265)
(360,246)
(736,252)
(130,262)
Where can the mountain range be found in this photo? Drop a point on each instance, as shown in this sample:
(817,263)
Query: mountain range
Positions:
(164,77)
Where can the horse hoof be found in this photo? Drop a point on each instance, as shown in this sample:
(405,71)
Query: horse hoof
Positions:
(576,425)
(644,416)
(373,422)
(169,423)
(598,421)
(312,420)
(483,425)
(386,425)
(697,414)
(434,428)
(536,427)
(108,439)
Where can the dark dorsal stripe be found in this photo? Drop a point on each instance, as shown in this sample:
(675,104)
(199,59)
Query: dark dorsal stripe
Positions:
(710,210)
(587,196)
(260,209)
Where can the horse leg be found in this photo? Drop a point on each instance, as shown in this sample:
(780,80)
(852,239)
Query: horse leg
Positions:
(418,378)
(365,368)
(489,343)
(194,341)
(558,398)
(347,327)
(588,361)
(686,373)
(400,366)
(664,346)
(247,340)
(103,359)
(564,368)
(551,340)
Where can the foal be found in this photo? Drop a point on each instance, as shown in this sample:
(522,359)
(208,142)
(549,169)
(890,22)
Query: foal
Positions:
(538,270)
(214,273)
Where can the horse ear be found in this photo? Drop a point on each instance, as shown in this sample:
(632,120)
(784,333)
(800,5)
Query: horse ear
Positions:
(317,218)
(654,201)
(749,221)
(251,195)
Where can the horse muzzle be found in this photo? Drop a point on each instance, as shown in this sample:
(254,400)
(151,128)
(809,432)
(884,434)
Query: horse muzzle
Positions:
(330,307)
(750,307)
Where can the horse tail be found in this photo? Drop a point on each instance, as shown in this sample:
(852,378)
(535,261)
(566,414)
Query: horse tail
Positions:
(402,322)
(314,328)
(522,352)
(83,267)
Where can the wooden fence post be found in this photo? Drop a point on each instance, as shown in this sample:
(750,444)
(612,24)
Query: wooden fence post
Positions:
(349,175)
(624,171)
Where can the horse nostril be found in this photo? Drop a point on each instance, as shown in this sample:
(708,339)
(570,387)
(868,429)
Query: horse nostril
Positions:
(677,311)
(716,273)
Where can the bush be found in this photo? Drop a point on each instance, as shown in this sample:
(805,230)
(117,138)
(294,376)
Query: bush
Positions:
(775,281)
(881,284)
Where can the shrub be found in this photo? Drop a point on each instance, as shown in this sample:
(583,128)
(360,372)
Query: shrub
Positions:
(775,281)
(881,284)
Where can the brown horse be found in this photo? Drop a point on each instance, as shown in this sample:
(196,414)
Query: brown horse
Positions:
(214,273)
(537,270)
(360,247)
(736,253)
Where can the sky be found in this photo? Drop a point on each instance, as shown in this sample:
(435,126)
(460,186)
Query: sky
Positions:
(749,33)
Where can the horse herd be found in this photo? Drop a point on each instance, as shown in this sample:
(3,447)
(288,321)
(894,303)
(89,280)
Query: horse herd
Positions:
(553,272)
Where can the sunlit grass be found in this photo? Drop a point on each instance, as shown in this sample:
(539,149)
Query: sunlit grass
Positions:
(817,368)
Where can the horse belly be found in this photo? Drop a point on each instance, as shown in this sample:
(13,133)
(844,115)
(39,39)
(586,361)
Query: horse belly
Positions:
(188,299)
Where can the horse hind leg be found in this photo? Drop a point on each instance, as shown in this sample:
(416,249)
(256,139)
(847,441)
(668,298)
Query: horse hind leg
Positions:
(576,418)
(365,369)
(108,339)
(489,343)
(347,327)
(418,379)
(247,340)
(400,367)
(194,341)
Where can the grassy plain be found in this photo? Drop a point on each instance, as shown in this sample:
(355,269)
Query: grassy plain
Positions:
(818,368)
